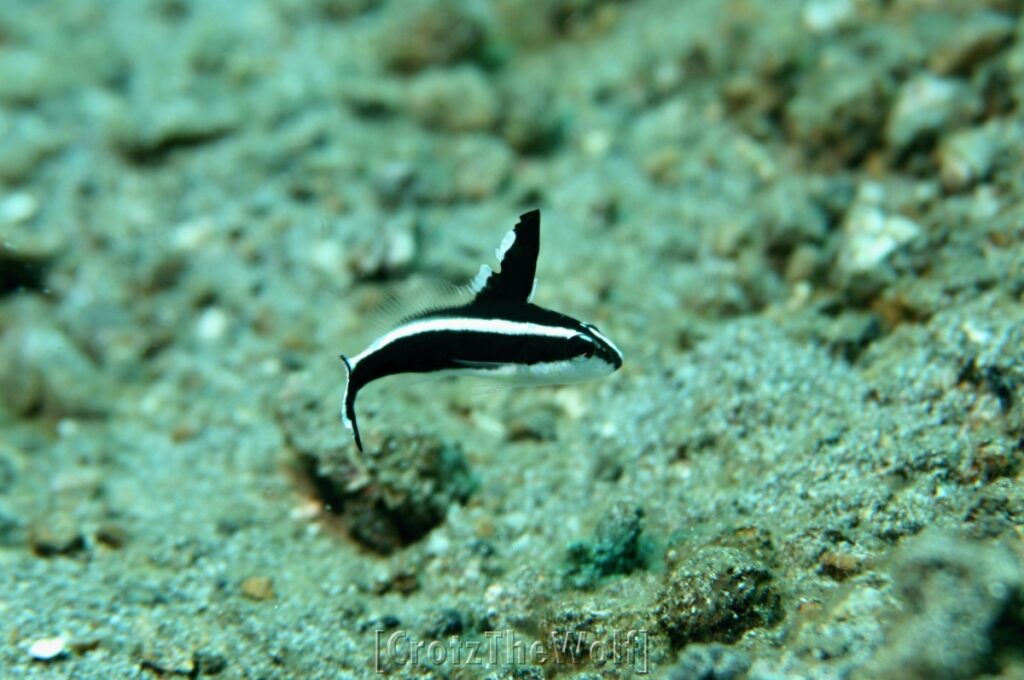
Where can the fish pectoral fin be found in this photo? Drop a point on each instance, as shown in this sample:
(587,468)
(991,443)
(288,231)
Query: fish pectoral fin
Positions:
(518,252)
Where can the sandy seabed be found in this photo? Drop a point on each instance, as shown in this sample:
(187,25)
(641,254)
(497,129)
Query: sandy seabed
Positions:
(802,221)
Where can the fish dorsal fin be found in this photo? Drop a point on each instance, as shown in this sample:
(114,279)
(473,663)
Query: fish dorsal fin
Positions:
(514,281)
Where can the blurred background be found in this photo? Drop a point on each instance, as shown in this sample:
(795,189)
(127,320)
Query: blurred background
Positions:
(800,219)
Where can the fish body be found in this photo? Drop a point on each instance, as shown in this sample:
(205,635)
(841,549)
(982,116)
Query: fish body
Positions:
(500,334)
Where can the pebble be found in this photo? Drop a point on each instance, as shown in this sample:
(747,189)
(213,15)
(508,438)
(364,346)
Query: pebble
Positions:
(169,660)
(212,324)
(482,164)
(851,332)
(43,372)
(415,479)
(56,534)
(9,467)
(715,595)
(870,235)
(258,588)
(710,662)
(18,208)
(431,33)
(532,119)
(12,528)
(825,16)
(456,100)
(145,131)
(388,252)
(966,594)
(113,536)
(48,649)
(927,105)
(193,235)
(393,182)
(977,38)
(966,157)
(327,256)
(25,144)
(839,108)
(25,74)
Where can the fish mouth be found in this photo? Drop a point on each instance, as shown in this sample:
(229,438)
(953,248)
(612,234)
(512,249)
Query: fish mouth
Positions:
(612,358)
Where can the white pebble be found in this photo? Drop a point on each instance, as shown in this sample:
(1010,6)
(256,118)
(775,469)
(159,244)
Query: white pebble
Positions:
(327,257)
(824,16)
(18,208)
(401,250)
(193,235)
(596,142)
(871,235)
(47,649)
(212,324)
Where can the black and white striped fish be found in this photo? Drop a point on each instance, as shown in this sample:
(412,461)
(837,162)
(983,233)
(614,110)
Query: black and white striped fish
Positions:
(499,334)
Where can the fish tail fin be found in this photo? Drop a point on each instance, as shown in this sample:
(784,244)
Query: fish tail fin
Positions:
(348,408)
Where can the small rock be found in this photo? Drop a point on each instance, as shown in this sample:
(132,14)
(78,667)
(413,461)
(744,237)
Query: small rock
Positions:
(456,100)
(806,263)
(431,33)
(389,252)
(112,535)
(12,528)
(715,596)
(851,332)
(56,534)
(328,257)
(212,324)
(791,217)
(481,165)
(839,565)
(209,663)
(402,581)
(25,74)
(966,157)
(710,662)
(24,144)
(925,106)
(967,595)
(18,208)
(838,110)
(409,483)
(169,659)
(8,468)
(146,132)
(532,118)
(42,373)
(538,422)
(825,16)
(393,183)
(258,588)
(870,235)
(444,623)
(48,649)
(977,38)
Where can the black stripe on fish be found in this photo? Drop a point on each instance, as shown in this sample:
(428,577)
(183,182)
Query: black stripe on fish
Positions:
(499,334)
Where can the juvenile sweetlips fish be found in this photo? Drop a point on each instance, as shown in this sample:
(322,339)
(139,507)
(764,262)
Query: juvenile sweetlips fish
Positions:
(499,334)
